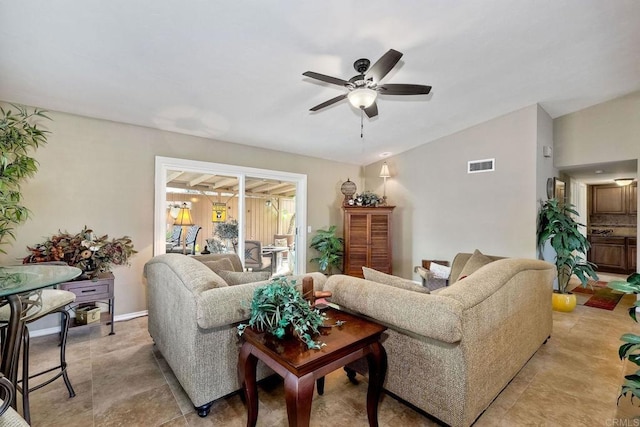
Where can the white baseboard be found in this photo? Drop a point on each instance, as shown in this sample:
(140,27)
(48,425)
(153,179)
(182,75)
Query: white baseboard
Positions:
(56,329)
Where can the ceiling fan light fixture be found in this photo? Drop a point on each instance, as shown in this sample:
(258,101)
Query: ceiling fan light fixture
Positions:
(362,97)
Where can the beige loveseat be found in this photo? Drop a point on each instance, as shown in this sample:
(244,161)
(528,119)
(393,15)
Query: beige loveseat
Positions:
(193,316)
(451,352)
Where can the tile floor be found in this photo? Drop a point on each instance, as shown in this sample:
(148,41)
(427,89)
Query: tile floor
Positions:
(121,380)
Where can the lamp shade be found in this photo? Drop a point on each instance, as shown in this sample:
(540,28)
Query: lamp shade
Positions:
(384,172)
(184,216)
(623,181)
(362,97)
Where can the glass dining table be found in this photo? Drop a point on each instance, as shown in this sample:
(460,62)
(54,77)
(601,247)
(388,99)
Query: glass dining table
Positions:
(15,282)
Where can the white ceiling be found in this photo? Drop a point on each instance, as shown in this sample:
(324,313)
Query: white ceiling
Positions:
(232,70)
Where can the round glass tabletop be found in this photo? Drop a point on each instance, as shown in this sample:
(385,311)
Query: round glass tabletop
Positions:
(17,279)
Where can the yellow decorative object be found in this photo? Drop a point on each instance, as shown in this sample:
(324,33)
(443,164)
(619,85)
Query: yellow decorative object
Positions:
(563,302)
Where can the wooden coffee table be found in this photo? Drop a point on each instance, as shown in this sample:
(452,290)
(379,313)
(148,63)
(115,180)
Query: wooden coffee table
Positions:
(301,367)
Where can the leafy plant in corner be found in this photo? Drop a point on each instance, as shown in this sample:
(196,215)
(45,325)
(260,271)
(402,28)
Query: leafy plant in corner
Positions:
(18,137)
(279,306)
(330,249)
(556,225)
(631,347)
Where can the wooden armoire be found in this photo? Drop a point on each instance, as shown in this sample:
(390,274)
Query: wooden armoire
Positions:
(367,239)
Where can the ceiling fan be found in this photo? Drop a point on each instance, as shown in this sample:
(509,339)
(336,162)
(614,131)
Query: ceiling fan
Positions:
(364,88)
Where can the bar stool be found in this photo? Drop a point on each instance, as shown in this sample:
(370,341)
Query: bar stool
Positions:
(49,301)
(9,417)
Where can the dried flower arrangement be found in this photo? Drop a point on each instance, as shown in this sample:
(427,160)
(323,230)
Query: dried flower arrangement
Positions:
(91,254)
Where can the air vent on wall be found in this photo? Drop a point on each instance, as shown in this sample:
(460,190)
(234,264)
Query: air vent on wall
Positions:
(486,165)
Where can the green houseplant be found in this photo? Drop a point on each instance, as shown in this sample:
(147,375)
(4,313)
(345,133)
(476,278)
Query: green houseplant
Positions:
(557,226)
(631,347)
(18,137)
(330,249)
(279,307)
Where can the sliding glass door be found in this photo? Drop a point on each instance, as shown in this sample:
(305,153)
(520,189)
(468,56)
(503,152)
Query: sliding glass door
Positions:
(254,212)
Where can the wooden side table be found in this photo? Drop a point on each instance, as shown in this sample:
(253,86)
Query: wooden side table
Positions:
(96,290)
(301,367)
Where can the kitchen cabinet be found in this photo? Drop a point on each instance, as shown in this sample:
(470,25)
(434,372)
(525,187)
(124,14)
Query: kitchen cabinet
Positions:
(608,199)
(614,199)
(632,255)
(609,254)
(367,239)
(633,198)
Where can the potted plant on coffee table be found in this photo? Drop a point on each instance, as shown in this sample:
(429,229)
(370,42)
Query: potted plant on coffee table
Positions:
(557,226)
(280,310)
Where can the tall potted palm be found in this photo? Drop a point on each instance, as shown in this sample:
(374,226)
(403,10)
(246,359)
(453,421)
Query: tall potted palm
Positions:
(557,226)
(19,136)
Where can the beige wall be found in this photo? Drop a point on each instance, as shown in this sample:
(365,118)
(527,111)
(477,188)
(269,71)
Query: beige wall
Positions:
(603,133)
(101,174)
(442,210)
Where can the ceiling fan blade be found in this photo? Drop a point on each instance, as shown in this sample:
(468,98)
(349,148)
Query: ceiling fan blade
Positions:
(327,79)
(403,89)
(372,110)
(329,102)
(383,66)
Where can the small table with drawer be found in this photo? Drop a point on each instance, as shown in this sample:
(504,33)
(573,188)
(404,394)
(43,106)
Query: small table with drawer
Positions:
(99,289)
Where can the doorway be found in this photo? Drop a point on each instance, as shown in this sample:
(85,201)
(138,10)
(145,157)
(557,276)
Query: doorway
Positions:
(264,204)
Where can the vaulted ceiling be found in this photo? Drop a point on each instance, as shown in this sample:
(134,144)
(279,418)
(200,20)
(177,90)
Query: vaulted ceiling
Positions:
(232,70)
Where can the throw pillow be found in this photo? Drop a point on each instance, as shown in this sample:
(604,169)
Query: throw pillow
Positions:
(477,260)
(388,279)
(440,271)
(241,277)
(219,265)
(280,243)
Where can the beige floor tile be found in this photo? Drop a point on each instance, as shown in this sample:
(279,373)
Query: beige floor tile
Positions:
(123,379)
(148,408)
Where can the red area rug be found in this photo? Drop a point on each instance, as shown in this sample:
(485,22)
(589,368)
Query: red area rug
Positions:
(601,296)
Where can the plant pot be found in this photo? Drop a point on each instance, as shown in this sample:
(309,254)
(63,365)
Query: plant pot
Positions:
(563,302)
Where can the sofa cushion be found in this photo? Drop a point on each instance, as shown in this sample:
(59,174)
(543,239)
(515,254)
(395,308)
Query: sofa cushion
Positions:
(241,277)
(220,264)
(477,260)
(388,279)
(234,258)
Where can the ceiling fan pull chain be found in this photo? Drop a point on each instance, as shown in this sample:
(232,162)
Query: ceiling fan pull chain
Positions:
(361,123)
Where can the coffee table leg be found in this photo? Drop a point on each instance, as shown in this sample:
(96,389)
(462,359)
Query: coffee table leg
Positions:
(299,394)
(247,374)
(377,360)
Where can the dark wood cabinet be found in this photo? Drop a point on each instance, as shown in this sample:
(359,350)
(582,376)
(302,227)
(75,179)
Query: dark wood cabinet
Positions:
(614,199)
(609,254)
(614,254)
(632,255)
(633,198)
(608,199)
(367,239)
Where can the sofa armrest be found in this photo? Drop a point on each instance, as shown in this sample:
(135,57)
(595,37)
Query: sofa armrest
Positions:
(428,315)
(231,304)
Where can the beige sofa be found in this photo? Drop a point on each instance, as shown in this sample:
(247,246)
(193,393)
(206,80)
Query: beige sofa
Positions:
(452,351)
(193,316)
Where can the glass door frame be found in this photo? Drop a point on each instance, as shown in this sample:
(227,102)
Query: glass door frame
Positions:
(164,164)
